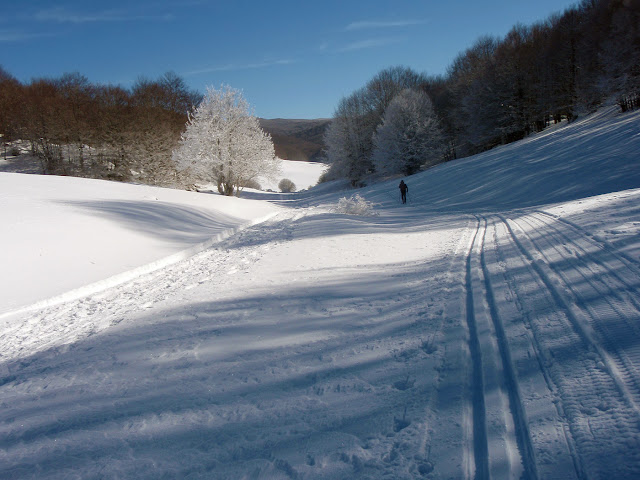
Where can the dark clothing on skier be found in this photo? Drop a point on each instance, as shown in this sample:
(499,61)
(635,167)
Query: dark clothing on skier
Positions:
(403,191)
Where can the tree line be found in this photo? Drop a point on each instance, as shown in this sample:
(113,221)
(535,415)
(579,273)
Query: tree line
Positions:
(102,131)
(495,92)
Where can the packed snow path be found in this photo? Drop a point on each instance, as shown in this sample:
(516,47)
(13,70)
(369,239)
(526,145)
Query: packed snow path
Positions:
(480,343)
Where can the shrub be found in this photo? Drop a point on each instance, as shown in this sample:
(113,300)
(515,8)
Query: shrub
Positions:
(356,205)
(251,184)
(286,186)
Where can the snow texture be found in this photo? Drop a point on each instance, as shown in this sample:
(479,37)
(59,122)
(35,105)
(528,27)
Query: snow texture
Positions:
(487,329)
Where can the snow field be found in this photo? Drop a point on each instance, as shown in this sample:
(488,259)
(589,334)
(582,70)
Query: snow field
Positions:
(488,329)
(75,233)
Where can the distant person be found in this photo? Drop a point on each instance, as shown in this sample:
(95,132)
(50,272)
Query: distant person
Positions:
(403,191)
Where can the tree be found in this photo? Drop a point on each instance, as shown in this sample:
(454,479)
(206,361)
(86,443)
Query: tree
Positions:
(409,136)
(349,137)
(11,100)
(223,143)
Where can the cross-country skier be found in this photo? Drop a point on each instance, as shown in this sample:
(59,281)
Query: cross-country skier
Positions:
(403,191)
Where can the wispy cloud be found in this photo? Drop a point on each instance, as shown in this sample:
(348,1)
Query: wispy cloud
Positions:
(370,43)
(230,67)
(15,36)
(62,15)
(368,24)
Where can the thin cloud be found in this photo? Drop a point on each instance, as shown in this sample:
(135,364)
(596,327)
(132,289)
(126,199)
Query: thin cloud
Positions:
(13,36)
(364,25)
(371,43)
(231,67)
(61,15)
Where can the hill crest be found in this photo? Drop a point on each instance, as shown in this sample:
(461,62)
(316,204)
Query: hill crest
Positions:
(297,139)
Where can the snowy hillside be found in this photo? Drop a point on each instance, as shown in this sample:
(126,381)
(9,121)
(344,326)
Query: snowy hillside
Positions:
(62,233)
(487,329)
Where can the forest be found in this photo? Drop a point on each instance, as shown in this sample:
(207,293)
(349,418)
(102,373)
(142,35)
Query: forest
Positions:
(497,91)
(102,131)
(500,89)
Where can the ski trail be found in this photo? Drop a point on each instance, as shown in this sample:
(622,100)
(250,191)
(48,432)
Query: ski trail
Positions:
(591,392)
(521,436)
(546,446)
(431,442)
(609,260)
(579,231)
(61,323)
(480,441)
(456,457)
(598,295)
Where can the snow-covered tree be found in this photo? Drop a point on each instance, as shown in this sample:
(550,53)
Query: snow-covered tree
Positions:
(349,137)
(409,136)
(223,143)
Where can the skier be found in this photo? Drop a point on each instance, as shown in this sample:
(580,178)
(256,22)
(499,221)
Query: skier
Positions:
(403,191)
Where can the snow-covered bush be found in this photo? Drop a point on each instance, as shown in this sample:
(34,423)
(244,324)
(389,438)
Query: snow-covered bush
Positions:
(286,186)
(356,205)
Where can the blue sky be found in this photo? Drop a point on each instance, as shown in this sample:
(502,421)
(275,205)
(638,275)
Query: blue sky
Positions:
(291,59)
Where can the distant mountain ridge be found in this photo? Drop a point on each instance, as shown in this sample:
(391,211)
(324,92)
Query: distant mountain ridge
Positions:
(297,139)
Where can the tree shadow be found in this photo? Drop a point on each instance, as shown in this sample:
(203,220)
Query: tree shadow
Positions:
(167,221)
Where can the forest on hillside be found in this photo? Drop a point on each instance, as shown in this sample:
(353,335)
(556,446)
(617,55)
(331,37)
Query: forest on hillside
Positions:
(103,131)
(497,91)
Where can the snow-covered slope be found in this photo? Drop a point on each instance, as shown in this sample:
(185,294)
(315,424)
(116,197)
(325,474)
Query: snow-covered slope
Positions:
(63,233)
(487,329)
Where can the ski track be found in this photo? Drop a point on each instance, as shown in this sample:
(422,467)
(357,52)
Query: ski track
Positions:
(589,375)
(541,318)
(408,440)
(501,438)
(552,328)
(479,439)
(66,323)
(608,299)
(516,432)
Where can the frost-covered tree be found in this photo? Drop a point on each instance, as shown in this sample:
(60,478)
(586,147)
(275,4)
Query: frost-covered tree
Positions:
(349,137)
(409,136)
(223,143)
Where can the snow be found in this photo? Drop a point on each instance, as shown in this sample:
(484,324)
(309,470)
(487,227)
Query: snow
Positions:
(61,233)
(303,174)
(488,328)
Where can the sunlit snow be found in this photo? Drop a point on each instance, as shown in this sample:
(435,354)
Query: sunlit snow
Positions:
(487,329)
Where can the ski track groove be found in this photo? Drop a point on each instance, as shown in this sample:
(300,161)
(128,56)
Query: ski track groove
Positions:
(522,434)
(556,453)
(480,440)
(614,320)
(592,392)
(430,439)
(600,253)
(629,261)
